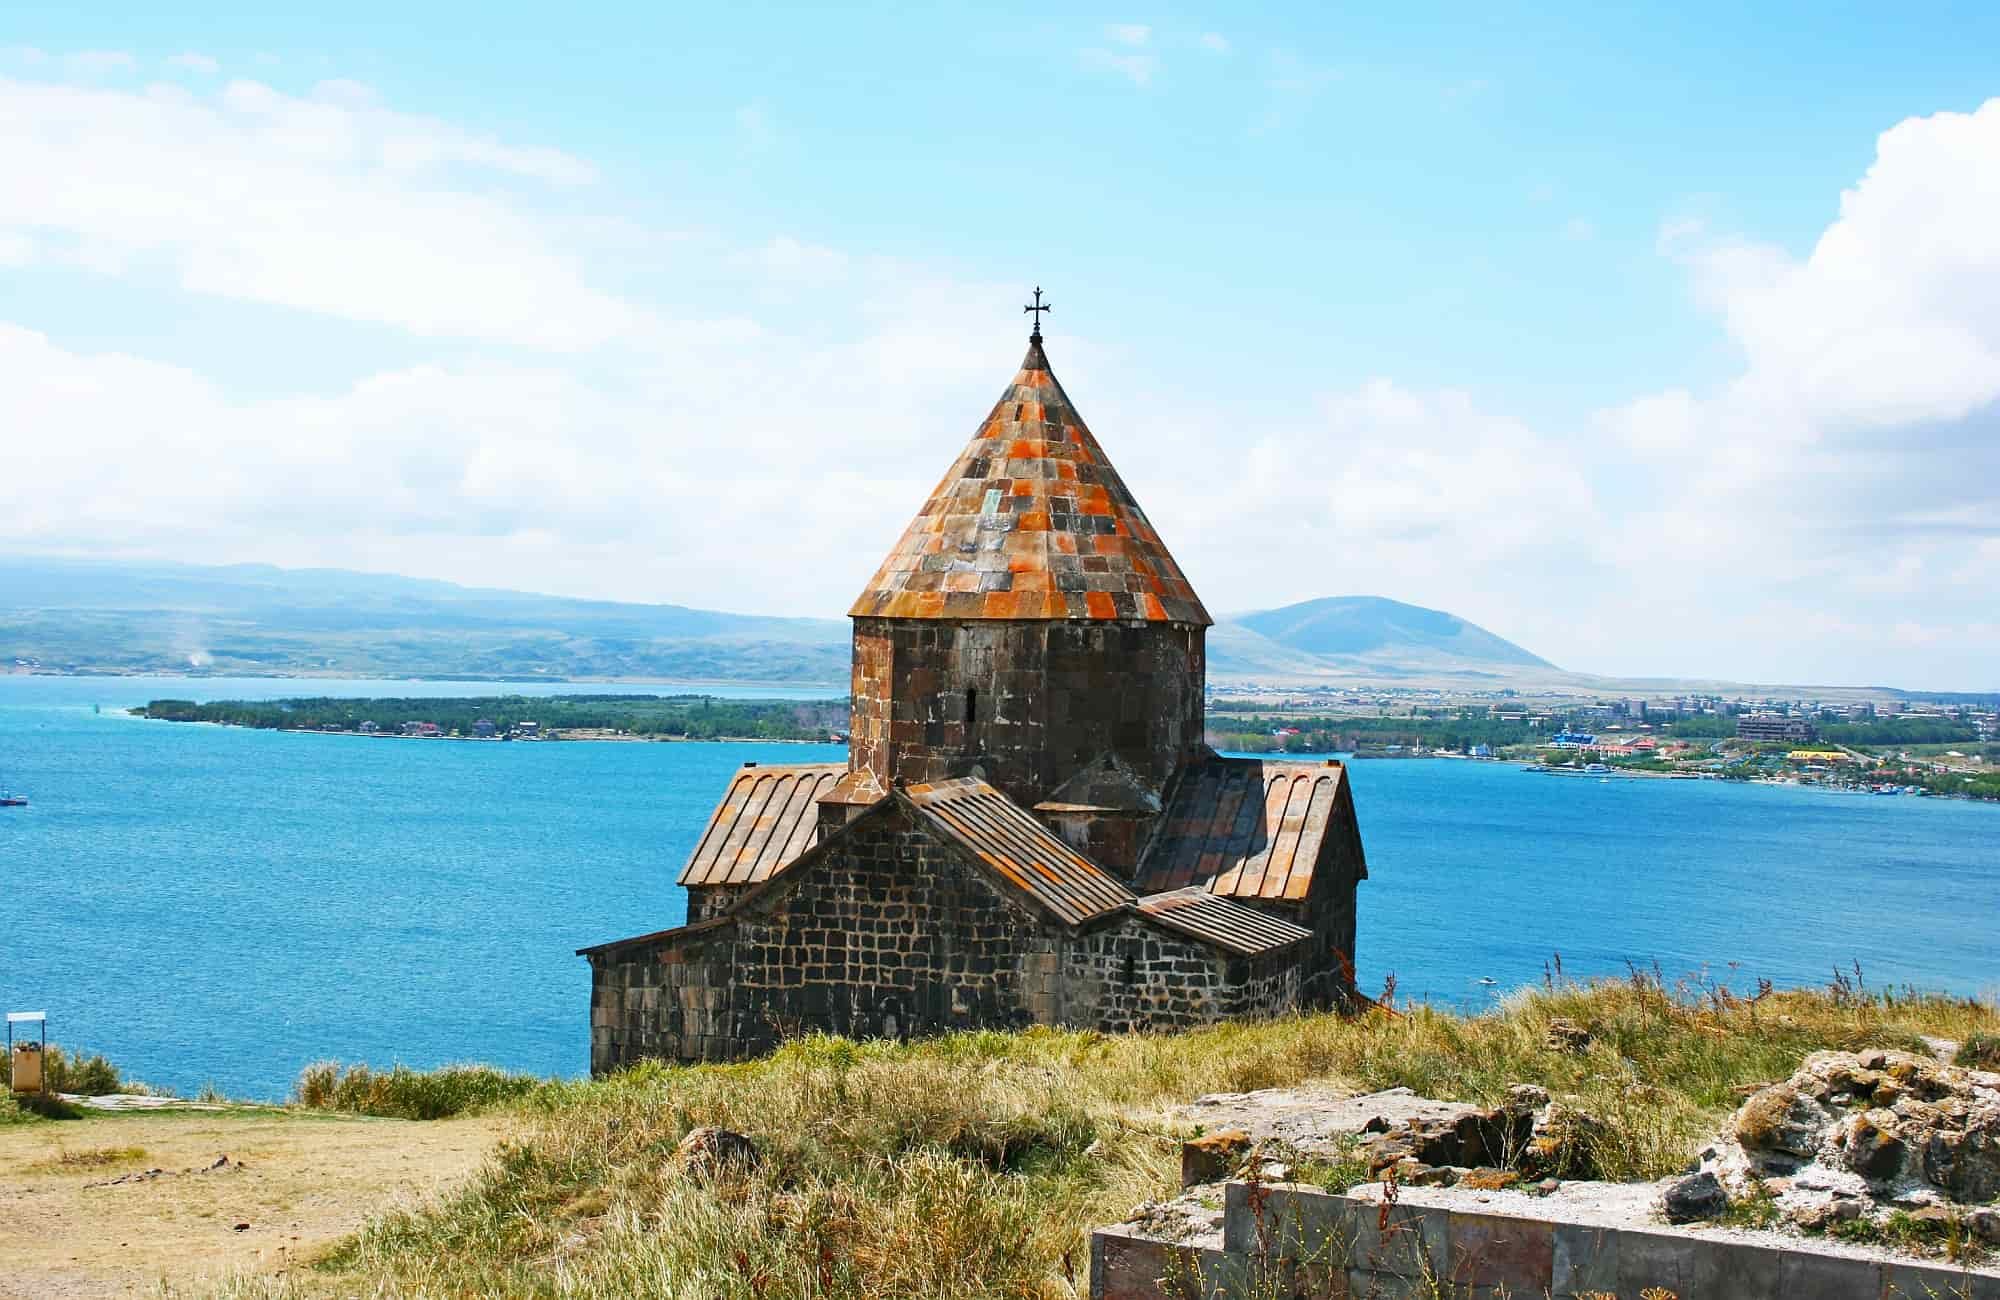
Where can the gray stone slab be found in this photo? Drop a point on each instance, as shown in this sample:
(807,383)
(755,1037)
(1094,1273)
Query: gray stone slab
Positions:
(1735,1270)
(1585,1259)
(1290,1222)
(1936,1282)
(1241,1218)
(1415,1243)
(1125,1265)
(1656,1259)
(1835,1277)
(1362,1284)
(1502,1252)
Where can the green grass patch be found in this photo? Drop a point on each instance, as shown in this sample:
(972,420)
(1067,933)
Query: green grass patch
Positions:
(1336,1173)
(401,1093)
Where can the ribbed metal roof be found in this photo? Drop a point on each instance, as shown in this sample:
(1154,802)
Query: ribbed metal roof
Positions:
(1199,914)
(1007,838)
(1244,828)
(1031,522)
(766,818)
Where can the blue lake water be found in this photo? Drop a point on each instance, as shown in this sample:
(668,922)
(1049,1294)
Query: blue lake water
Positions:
(215,904)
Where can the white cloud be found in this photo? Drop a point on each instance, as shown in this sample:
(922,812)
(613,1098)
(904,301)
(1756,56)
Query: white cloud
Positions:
(1891,318)
(323,203)
(1853,466)
(1215,42)
(1577,230)
(193,62)
(1128,33)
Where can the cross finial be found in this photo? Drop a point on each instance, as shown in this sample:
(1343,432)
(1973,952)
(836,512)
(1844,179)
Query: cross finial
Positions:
(1038,308)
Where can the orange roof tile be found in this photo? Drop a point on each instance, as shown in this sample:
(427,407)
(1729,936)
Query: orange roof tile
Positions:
(1032,504)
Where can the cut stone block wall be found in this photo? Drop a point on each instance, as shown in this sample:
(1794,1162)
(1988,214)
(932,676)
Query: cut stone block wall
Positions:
(1042,698)
(893,933)
(1324,1244)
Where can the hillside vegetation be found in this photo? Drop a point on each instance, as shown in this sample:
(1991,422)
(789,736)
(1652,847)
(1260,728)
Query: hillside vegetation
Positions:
(689,717)
(975,1165)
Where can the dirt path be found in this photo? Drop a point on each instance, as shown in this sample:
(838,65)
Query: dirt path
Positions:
(83,1214)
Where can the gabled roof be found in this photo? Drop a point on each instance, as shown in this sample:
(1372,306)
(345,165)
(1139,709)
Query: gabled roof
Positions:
(1245,828)
(1007,838)
(973,815)
(1031,522)
(1221,923)
(766,818)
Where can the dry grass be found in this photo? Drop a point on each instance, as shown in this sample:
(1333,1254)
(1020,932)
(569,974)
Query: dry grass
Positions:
(98,1157)
(975,1165)
(401,1093)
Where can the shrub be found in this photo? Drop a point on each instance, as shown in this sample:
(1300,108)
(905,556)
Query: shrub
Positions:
(402,1093)
(1980,1052)
(85,1076)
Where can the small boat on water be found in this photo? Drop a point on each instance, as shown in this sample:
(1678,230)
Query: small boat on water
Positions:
(13,800)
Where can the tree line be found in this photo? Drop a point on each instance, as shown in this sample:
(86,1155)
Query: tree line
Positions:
(691,717)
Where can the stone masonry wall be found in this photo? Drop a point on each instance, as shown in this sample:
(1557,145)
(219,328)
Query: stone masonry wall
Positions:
(705,901)
(664,999)
(1028,702)
(1138,976)
(891,933)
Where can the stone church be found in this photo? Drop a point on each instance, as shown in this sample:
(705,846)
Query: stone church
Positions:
(1029,828)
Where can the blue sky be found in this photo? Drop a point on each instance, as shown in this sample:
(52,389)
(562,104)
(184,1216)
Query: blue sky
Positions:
(1552,317)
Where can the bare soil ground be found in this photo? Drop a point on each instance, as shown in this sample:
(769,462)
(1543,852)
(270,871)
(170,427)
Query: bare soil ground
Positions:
(83,1214)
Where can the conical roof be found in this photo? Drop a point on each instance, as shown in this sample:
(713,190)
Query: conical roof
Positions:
(1031,522)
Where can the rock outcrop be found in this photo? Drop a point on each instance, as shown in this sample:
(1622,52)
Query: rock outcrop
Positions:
(1859,1134)
(708,1152)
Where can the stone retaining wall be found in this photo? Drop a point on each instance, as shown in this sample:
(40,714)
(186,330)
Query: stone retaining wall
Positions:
(1287,1239)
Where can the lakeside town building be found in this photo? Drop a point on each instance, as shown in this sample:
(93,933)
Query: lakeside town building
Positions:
(1774,727)
(1029,828)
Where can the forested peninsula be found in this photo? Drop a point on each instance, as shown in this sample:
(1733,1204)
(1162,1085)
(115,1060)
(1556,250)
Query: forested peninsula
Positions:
(520,717)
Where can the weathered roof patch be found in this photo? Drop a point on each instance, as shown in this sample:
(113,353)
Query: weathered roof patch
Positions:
(1032,522)
(1245,828)
(1007,838)
(1218,921)
(766,818)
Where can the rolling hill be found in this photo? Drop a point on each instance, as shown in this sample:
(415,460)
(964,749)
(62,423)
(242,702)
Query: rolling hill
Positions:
(258,619)
(1375,628)
(104,616)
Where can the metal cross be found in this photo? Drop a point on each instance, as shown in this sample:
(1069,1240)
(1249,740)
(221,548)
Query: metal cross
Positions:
(1038,308)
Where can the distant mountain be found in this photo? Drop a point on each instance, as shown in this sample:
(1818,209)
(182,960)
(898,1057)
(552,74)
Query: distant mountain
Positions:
(255,619)
(1374,628)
